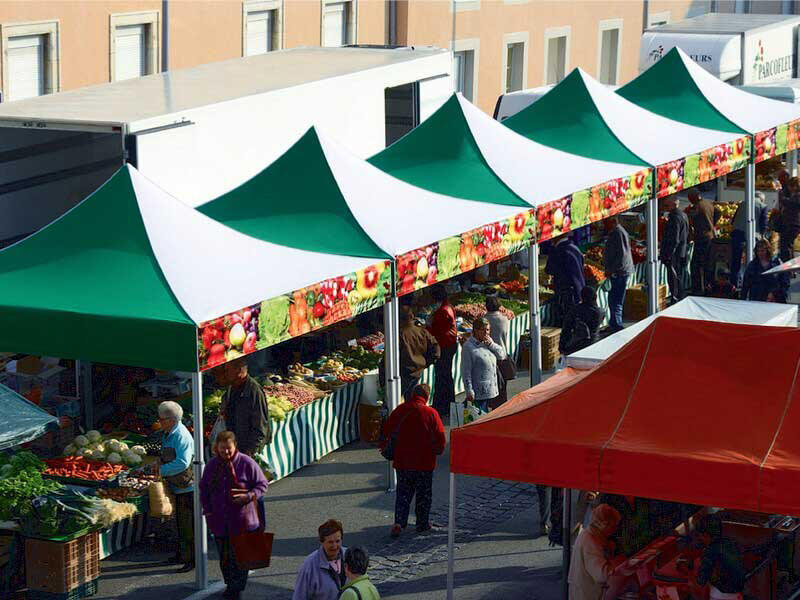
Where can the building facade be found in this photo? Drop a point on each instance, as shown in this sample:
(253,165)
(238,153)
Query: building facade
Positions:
(499,45)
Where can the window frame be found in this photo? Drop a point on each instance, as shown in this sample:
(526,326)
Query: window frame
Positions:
(470,45)
(50,30)
(602,27)
(520,37)
(351,21)
(256,6)
(151,20)
(557,32)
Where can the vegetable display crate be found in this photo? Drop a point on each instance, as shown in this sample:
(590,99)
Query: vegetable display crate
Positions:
(82,591)
(62,567)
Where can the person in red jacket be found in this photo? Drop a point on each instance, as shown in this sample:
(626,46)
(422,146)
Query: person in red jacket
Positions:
(418,439)
(443,327)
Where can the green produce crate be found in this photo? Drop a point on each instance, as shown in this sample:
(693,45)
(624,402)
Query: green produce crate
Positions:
(83,591)
(63,538)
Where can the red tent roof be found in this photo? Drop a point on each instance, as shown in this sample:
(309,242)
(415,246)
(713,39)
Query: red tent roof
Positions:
(691,411)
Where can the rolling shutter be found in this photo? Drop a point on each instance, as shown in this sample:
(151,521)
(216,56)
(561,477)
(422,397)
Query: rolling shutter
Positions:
(259,32)
(130,58)
(26,67)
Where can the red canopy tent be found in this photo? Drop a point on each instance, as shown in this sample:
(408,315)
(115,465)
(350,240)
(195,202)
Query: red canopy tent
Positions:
(691,411)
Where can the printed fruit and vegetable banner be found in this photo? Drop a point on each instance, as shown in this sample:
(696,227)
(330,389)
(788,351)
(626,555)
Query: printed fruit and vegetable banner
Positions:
(588,206)
(290,315)
(703,166)
(459,254)
(776,141)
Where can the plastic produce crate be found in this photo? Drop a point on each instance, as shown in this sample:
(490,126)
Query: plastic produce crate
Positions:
(83,591)
(62,567)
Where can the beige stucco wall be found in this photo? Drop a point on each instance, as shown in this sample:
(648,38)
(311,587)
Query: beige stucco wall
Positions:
(203,32)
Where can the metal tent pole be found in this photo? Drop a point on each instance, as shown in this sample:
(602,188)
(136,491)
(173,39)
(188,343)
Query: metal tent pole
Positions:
(391,316)
(651,214)
(791,163)
(566,540)
(451,537)
(536,322)
(200,536)
(749,199)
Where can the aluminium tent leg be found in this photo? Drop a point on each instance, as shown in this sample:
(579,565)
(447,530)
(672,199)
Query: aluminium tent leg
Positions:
(536,323)
(566,540)
(651,215)
(749,199)
(451,537)
(391,357)
(791,163)
(200,535)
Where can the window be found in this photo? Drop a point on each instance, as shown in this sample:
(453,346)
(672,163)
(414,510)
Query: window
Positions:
(26,67)
(514,57)
(556,53)
(741,6)
(610,32)
(336,24)
(401,105)
(134,45)
(29,59)
(787,7)
(261,26)
(463,72)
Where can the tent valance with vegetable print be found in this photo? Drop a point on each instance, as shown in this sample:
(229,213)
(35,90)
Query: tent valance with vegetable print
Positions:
(130,274)
(678,88)
(462,150)
(327,199)
(582,116)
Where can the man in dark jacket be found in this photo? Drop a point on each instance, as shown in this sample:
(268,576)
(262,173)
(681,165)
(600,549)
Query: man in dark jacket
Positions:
(703,222)
(444,329)
(565,265)
(244,408)
(789,200)
(582,323)
(618,266)
(418,350)
(739,234)
(419,439)
(674,248)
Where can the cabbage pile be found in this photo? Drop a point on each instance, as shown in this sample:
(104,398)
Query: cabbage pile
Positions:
(93,447)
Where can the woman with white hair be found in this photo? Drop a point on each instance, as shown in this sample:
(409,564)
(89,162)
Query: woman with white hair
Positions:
(177,455)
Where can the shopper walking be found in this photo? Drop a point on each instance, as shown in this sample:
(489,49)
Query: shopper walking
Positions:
(359,587)
(231,485)
(443,328)
(498,330)
(582,324)
(756,285)
(244,408)
(417,434)
(323,575)
(739,234)
(703,222)
(675,248)
(789,198)
(590,568)
(177,455)
(418,350)
(479,356)
(618,266)
(565,265)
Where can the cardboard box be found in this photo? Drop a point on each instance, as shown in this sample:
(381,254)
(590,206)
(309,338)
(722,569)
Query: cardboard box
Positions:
(30,365)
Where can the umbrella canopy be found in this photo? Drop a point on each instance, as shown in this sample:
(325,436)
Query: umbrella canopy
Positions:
(720,310)
(692,427)
(127,276)
(789,265)
(461,149)
(582,116)
(329,199)
(694,96)
(20,420)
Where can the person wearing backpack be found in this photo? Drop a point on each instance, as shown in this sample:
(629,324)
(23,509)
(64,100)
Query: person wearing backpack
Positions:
(358,586)
(413,438)
(582,323)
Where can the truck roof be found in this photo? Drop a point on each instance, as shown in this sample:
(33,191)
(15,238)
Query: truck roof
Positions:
(725,23)
(180,90)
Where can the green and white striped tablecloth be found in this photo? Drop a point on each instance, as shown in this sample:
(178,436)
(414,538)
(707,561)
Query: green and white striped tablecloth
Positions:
(310,432)
(123,534)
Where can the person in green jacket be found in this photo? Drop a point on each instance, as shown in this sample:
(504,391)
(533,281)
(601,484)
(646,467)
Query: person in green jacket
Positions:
(358,587)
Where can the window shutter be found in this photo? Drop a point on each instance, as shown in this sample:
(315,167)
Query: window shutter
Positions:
(259,33)
(26,67)
(335,25)
(130,58)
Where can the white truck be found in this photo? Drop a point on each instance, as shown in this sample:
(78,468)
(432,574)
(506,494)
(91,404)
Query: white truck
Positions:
(742,49)
(199,132)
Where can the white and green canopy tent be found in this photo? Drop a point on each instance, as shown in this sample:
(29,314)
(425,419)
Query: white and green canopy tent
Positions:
(694,96)
(129,275)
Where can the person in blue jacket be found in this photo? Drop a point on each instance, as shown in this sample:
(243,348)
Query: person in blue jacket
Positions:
(565,265)
(177,456)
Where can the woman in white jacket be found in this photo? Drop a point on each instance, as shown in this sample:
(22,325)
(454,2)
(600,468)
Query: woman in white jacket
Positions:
(479,358)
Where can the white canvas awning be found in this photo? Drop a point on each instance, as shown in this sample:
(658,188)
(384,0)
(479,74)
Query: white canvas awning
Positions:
(702,309)
(720,55)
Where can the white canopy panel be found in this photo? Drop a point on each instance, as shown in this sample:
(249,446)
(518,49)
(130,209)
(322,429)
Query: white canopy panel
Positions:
(536,173)
(654,138)
(751,112)
(719,55)
(210,279)
(720,310)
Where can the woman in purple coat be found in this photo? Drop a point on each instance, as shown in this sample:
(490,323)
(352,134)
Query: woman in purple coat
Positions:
(231,485)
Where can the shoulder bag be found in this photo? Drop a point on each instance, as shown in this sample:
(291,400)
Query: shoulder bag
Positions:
(252,549)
